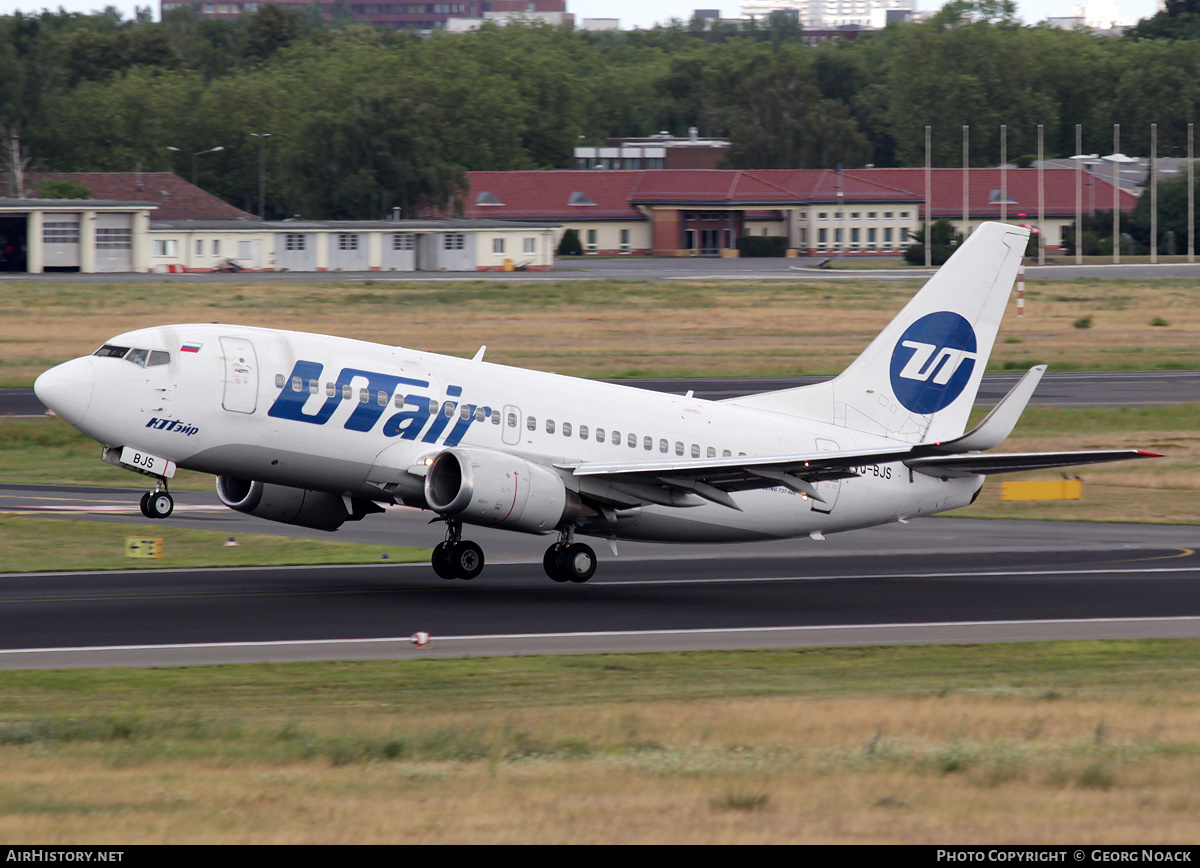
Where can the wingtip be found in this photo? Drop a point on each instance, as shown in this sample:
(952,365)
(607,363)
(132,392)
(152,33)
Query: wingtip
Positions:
(1146,453)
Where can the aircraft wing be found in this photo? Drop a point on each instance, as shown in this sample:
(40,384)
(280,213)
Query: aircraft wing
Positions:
(682,481)
(689,482)
(976,464)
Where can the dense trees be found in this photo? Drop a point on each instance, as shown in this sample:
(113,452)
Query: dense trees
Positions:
(362,121)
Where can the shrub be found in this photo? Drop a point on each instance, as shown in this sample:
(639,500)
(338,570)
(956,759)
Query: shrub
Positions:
(570,245)
(762,245)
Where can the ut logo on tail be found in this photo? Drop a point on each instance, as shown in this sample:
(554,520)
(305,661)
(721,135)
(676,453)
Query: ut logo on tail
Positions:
(933,361)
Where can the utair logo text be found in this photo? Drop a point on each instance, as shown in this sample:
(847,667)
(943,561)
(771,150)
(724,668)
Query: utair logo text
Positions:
(933,361)
(418,415)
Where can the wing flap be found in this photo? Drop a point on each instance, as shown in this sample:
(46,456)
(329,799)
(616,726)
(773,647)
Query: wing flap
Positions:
(1015,462)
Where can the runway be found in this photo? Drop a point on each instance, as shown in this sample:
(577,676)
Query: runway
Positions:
(933,580)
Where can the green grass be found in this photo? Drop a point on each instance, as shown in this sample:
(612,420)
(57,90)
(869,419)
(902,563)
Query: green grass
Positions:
(1046,672)
(31,543)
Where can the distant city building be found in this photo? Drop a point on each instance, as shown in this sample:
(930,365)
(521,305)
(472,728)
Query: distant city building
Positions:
(660,151)
(395,15)
(828,14)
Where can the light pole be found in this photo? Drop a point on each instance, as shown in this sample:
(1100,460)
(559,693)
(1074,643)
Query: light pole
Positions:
(194,156)
(262,173)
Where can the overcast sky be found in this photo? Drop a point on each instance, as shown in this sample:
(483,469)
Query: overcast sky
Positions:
(632,13)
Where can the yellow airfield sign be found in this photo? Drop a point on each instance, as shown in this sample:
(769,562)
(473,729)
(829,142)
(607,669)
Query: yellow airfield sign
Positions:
(139,547)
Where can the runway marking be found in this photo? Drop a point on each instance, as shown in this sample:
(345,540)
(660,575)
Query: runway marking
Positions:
(167,595)
(602,634)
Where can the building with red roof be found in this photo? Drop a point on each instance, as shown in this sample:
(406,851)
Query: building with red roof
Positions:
(672,212)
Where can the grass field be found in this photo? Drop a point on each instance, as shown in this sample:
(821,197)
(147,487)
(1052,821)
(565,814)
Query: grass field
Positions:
(1036,743)
(613,328)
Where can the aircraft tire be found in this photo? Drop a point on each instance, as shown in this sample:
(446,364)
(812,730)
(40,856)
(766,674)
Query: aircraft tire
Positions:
(441,561)
(576,562)
(160,504)
(550,563)
(146,504)
(466,558)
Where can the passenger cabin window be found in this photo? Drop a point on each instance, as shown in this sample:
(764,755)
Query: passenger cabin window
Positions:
(279,381)
(380,396)
(297,384)
(480,414)
(678,448)
(313,387)
(599,435)
(616,438)
(712,453)
(448,409)
(631,440)
(364,395)
(663,446)
(695,451)
(583,432)
(531,423)
(566,429)
(464,410)
(433,407)
(347,392)
(648,443)
(549,426)
(512,420)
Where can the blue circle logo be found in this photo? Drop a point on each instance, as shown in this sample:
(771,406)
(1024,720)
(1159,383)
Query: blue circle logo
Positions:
(933,361)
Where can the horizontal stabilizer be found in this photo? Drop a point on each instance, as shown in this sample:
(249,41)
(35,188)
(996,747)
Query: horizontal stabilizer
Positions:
(1015,462)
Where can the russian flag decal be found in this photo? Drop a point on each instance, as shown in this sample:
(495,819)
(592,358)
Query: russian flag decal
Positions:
(191,348)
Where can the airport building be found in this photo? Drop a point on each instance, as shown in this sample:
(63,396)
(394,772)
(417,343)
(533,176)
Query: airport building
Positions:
(147,222)
(665,212)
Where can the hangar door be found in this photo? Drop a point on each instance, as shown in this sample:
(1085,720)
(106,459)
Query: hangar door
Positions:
(347,251)
(399,251)
(296,251)
(114,242)
(60,241)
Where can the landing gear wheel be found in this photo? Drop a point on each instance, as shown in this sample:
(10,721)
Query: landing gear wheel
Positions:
(550,563)
(441,560)
(466,559)
(576,562)
(158,504)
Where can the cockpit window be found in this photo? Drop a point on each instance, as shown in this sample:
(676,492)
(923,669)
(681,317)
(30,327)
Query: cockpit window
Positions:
(141,358)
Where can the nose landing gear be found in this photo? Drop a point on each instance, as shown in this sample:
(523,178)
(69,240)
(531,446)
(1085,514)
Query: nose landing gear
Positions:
(158,503)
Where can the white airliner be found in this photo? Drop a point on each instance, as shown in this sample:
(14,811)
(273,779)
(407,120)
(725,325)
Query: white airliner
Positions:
(316,430)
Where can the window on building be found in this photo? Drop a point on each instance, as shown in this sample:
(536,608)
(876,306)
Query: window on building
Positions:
(454,241)
(404,241)
(497,245)
(199,246)
(294,241)
(64,232)
(530,245)
(163,247)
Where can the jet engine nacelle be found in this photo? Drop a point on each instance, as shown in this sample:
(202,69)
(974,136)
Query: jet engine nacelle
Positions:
(499,490)
(316,509)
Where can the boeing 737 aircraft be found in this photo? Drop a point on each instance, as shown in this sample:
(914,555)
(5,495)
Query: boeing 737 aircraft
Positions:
(315,431)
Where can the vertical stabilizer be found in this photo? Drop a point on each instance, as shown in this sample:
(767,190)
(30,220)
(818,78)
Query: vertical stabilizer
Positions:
(918,379)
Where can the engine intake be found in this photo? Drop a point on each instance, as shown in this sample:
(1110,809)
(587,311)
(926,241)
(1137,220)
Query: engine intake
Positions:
(499,490)
(319,510)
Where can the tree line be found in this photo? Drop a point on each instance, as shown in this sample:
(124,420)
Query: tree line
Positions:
(364,120)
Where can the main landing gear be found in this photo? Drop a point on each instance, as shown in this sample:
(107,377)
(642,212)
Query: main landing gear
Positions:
(457,558)
(569,561)
(565,561)
(158,503)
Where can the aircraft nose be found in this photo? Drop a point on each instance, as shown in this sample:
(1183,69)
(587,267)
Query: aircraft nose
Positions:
(67,389)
